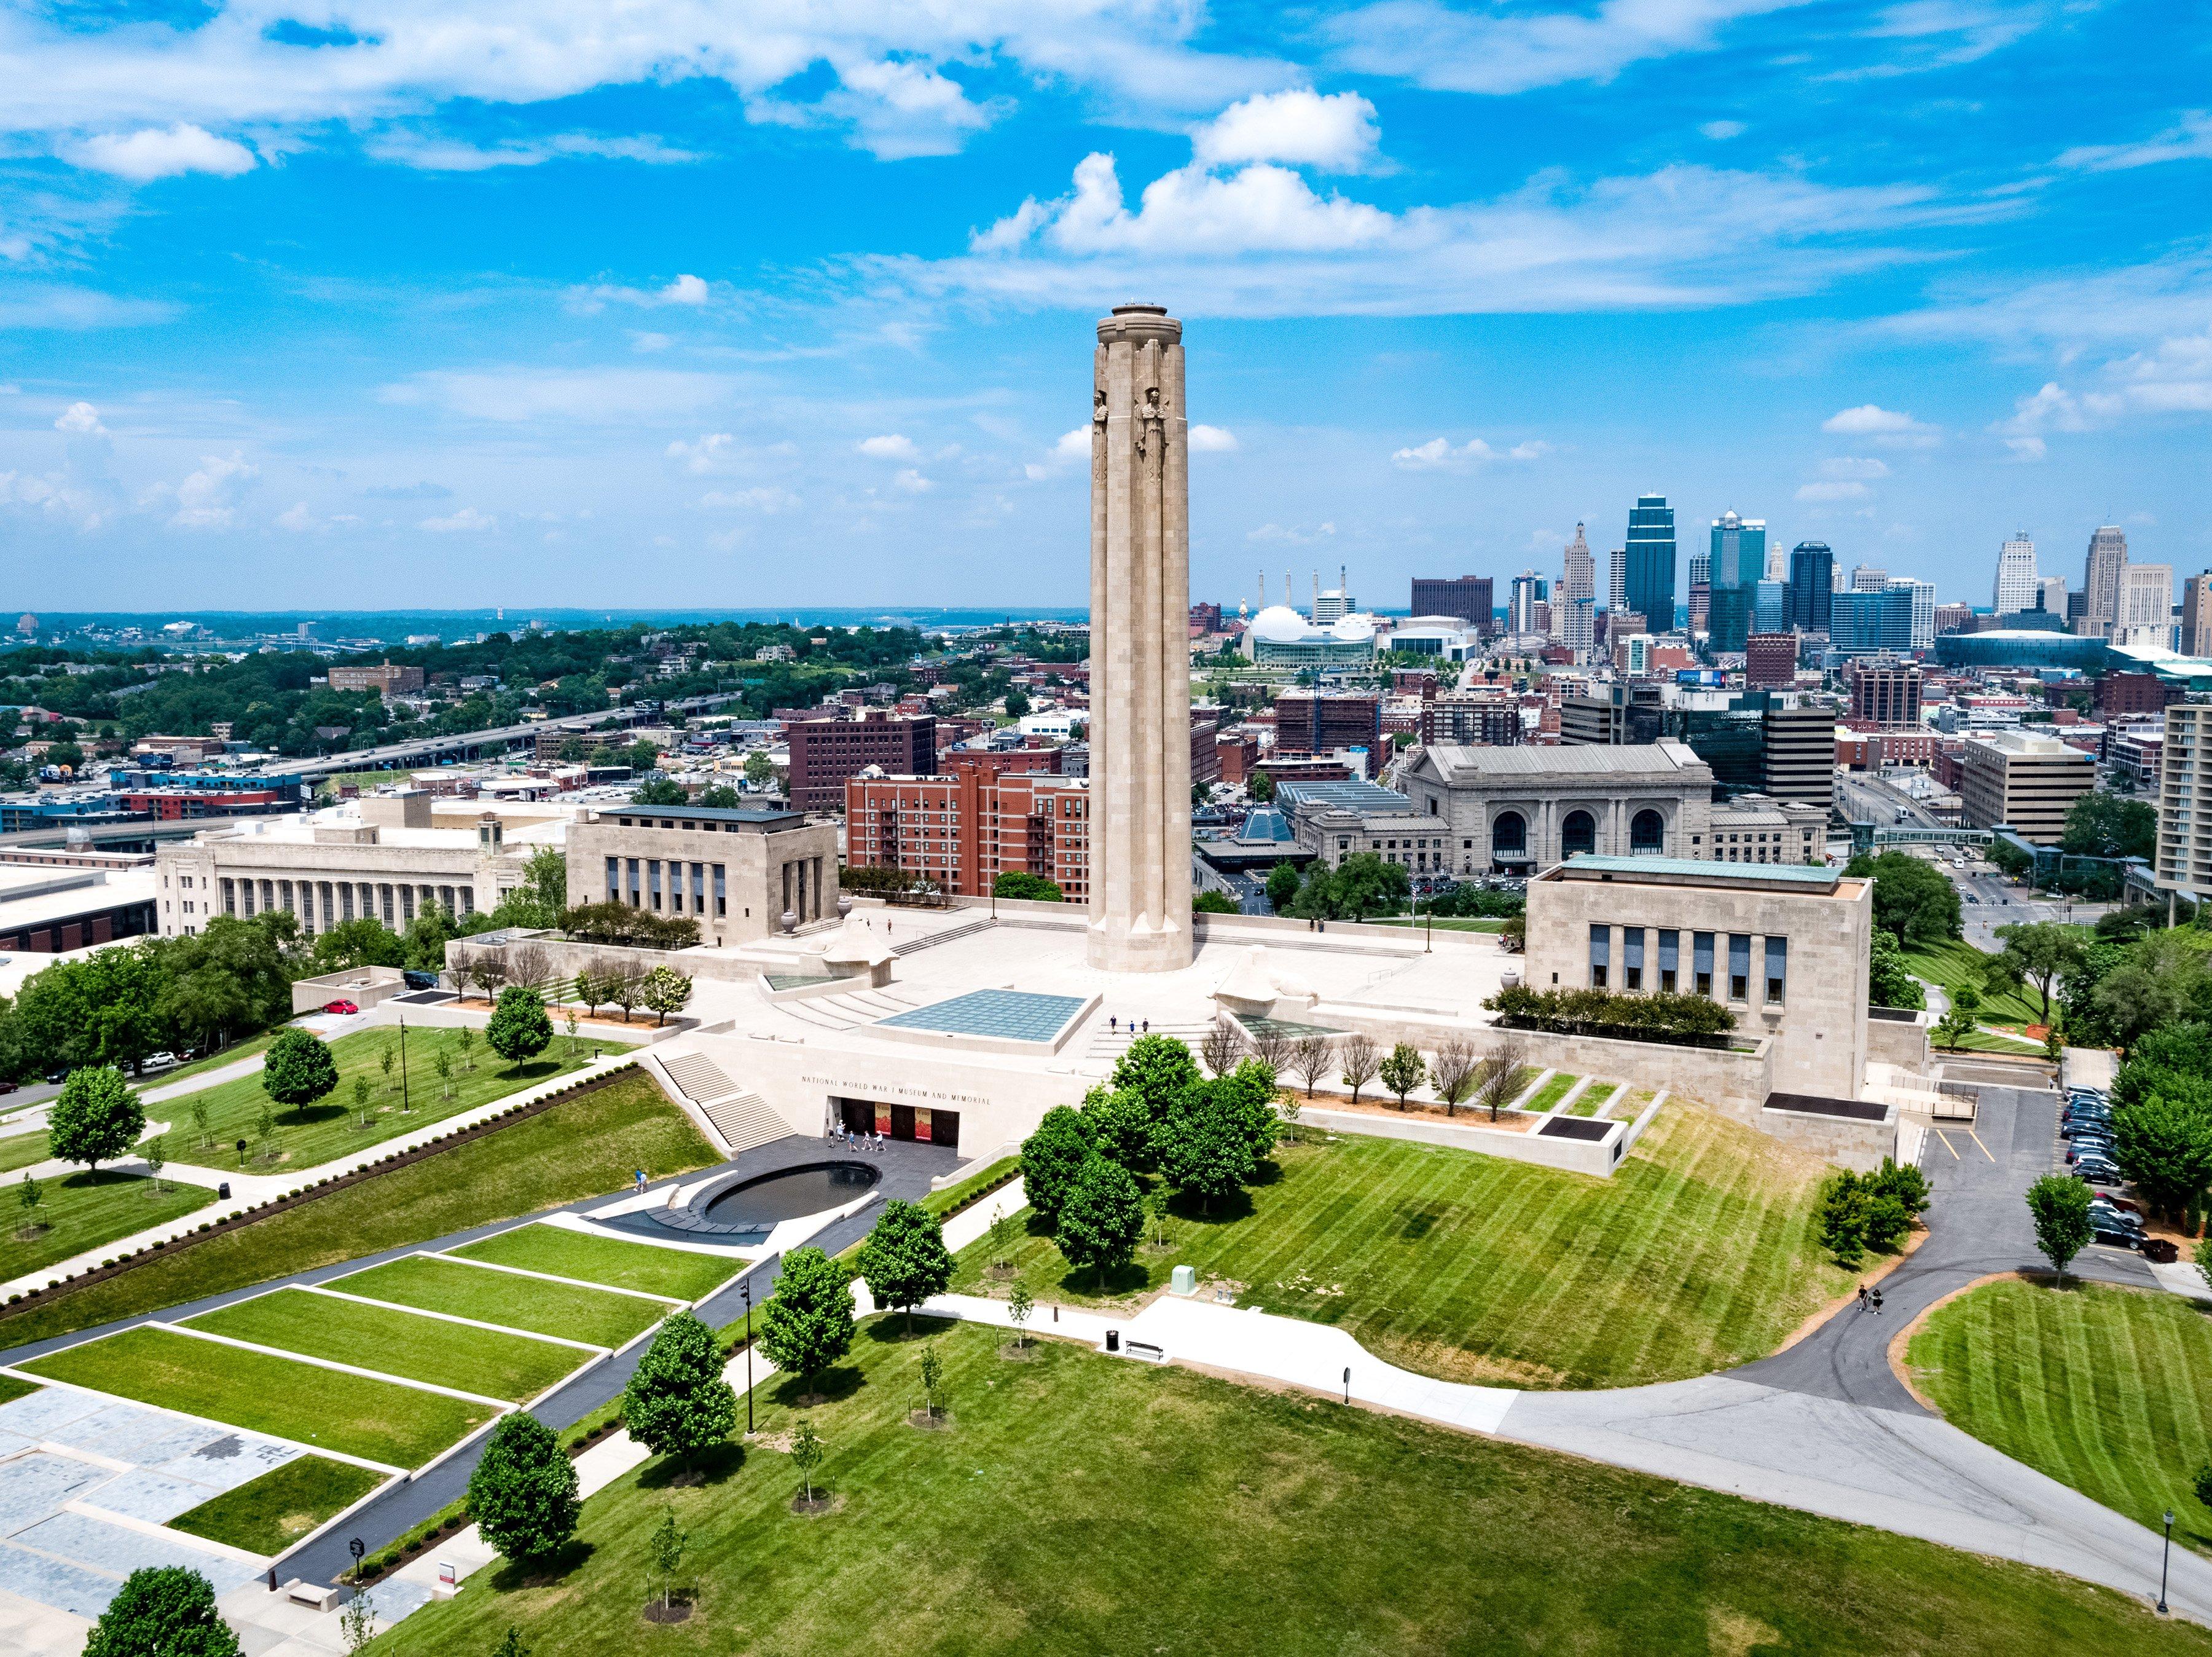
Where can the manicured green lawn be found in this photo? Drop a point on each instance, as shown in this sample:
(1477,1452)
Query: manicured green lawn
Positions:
(944,1201)
(560,1253)
(230,1055)
(2108,1389)
(1698,1254)
(272,1512)
(583,1146)
(1444,922)
(379,1421)
(1079,1504)
(23,1150)
(1593,1099)
(10,1388)
(437,1284)
(1959,962)
(1550,1093)
(85,1210)
(395,1341)
(332,1127)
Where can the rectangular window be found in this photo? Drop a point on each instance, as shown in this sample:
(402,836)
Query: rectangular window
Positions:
(652,880)
(698,888)
(1670,951)
(1632,957)
(1601,954)
(1777,966)
(631,871)
(1739,966)
(1701,960)
(614,879)
(721,893)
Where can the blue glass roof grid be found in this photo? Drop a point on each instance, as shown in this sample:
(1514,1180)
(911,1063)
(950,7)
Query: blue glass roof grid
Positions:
(1010,1015)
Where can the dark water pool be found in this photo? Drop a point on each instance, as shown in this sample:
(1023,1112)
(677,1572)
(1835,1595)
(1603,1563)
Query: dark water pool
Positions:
(791,1194)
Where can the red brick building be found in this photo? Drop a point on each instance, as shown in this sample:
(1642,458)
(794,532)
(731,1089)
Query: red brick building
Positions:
(963,831)
(1769,661)
(1326,722)
(1236,753)
(826,751)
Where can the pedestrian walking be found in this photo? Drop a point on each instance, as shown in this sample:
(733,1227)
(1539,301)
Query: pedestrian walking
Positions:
(1862,1297)
(1876,1298)
(1148,1027)
(1113,1024)
(640,1182)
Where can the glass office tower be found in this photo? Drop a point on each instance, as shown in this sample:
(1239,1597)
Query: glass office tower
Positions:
(1650,559)
(1812,587)
(1738,563)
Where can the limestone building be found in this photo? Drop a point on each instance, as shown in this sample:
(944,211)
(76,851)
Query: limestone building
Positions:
(737,874)
(1139,796)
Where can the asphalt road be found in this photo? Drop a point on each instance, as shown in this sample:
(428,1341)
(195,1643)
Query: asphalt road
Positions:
(1978,1225)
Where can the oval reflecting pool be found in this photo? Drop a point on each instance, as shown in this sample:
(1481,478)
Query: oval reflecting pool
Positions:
(792,1194)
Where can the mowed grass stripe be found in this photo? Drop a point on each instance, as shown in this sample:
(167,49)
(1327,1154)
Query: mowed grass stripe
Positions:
(435,1282)
(560,1252)
(268,1515)
(393,1341)
(376,1420)
(2106,1390)
(1697,1255)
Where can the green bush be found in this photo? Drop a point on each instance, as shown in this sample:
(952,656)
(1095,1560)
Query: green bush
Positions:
(1693,1020)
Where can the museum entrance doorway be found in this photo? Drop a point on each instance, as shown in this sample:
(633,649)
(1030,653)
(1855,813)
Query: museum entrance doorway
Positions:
(920,1122)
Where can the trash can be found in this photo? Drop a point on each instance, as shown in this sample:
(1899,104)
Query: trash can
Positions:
(222,1192)
(1113,1340)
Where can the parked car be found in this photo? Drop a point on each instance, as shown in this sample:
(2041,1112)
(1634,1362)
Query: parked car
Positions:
(2087,1128)
(2101,1210)
(2111,1234)
(340,1007)
(160,1060)
(414,980)
(8,1087)
(2090,1150)
(57,1075)
(2099,1171)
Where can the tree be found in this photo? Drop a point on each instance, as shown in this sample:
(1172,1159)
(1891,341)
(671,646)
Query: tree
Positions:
(1912,902)
(1272,1045)
(1309,1060)
(519,1029)
(1051,1157)
(2101,825)
(384,1061)
(1454,1070)
(1282,887)
(357,1622)
(467,1042)
(200,1118)
(1959,1020)
(665,990)
(1019,884)
(96,1119)
(2163,1143)
(2060,1208)
(486,969)
(807,1324)
(666,1546)
(364,942)
(1207,1151)
(1214,903)
(1156,1214)
(1499,1082)
(1890,982)
(932,1372)
(905,1261)
(624,985)
(523,1492)
(2041,953)
(661,791)
(806,1456)
(442,1062)
(1402,1071)
(545,884)
(163,1611)
(589,979)
(1223,1047)
(157,1158)
(1020,1304)
(676,1403)
(760,770)
(298,1069)
(1260,787)
(1103,1218)
(30,1192)
(1357,1059)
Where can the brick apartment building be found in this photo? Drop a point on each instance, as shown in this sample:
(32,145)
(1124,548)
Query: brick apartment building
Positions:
(1488,719)
(1329,721)
(1769,661)
(383,677)
(1467,597)
(825,752)
(964,830)
(1886,693)
(1237,753)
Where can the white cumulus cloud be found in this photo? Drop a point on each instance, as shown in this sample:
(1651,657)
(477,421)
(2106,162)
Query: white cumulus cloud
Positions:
(1210,440)
(889,447)
(80,419)
(1437,455)
(158,153)
(209,498)
(1335,131)
(913,482)
(1885,426)
(467,522)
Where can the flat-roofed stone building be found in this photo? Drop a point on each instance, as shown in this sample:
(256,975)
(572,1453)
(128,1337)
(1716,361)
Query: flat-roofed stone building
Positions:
(736,872)
(1513,811)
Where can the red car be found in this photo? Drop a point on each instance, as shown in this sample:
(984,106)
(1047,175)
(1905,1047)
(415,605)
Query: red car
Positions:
(340,1007)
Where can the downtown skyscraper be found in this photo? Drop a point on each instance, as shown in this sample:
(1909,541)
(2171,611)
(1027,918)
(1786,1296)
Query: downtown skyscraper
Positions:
(2100,581)
(1812,587)
(1650,559)
(2016,586)
(1738,566)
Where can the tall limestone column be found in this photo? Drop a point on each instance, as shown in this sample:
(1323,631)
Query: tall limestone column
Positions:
(1139,647)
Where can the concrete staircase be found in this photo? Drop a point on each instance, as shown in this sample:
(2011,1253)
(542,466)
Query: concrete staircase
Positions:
(1106,1045)
(949,934)
(742,1118)
(852,1007)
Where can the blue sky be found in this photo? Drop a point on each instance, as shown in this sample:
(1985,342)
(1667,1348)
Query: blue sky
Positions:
(384,303)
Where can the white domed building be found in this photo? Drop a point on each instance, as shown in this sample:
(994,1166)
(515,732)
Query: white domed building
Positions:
(1280,636)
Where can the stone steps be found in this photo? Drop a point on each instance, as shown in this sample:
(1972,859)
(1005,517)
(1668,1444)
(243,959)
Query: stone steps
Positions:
(949,935)
(744,1120)
(698,1076)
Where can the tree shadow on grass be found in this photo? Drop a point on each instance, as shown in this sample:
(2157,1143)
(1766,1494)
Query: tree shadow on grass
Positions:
(890,1328)
(711,1466)
(94,1178)
(544,1571)
(1221,1211)
(311,1116)
(832,1386)
(1131,1279)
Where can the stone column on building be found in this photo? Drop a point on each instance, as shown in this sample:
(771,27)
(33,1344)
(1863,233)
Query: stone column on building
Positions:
(1140,646)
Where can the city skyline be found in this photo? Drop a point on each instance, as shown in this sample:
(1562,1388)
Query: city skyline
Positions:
(683,315)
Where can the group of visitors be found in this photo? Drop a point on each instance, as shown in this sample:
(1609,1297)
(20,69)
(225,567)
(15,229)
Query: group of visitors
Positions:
(857,1142)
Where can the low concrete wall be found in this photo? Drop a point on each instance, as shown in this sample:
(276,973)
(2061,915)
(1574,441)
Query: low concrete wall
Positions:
(364,986)
(1854,1142)
(1898,1041)
(565,959)
(452,1016)
(1591,1156)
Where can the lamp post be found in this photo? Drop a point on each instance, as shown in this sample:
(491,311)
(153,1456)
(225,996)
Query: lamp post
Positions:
(2165,1559)
(747,1288)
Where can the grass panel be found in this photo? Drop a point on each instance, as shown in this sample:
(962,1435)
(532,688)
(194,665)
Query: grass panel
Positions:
(269,1513)
(560,1253)
(395,1341)
(1698,1254)
(436,1283)
(89,1210)
(2108,1389)
(22,1150)
(582,1147)
(1959,962)
(1081,1505)
(381,1421)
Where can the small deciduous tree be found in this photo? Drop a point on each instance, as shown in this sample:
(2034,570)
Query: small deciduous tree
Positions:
(1499,1081)
(1052,1156)
(676,1403)
(806,1452)
(1453,1070)
(265,1130)
(200,1118)
(2059,1206)
(30,1193)
(518,1029)
(96,1119)
(625,987)
(384,1061)
(157,1157)
(468,1044)
(666,1545)
(511,1644)
(1223,1047)
(807,1324)
(905,1261)
(442,1062)
(1210,1151)
(361,1090)
(1357,1059)
(1020,1304)
(488,972)
(1309,1060)
(932,1374)
(1101,1219)
(665,990)
(1959,1021)
(163,1611)
(1402,1071)
(357,1622)
(523,1492)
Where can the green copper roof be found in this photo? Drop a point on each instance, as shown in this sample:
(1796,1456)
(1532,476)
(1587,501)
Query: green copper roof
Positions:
(1783,873)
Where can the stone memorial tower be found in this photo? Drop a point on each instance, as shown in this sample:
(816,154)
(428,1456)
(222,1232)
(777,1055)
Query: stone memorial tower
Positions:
(1139,794)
